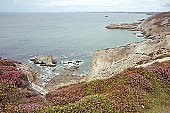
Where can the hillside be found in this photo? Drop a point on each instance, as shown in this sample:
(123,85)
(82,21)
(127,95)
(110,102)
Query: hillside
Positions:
(157,25)
(16,92)
(138,90)
(135,90)
(108,62)
(130,79)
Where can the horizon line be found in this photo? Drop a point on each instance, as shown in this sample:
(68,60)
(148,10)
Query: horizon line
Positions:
(82,11)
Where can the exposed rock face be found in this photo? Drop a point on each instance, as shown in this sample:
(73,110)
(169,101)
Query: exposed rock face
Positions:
(44,61)
(157,25)
(31,73)
(15,88)
(123,26)
(63,79)
(108,62)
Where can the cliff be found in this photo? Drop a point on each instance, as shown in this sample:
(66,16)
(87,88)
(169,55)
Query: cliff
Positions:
(157,25)
(136,80)
(109,62)
(137,90)
(16,92)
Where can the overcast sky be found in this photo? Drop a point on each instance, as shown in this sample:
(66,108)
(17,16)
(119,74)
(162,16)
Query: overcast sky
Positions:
(83,5)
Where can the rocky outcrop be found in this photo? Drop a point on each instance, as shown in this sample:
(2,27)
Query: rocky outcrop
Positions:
(16,91)
(65,78)
(44,61)
(157,25)
(123,26)
(109,62)
(31,73)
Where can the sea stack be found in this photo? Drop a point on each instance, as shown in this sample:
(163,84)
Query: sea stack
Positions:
(44,60)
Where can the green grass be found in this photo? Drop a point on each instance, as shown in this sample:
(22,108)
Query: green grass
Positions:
(146,94)
(89,104)
(142,90)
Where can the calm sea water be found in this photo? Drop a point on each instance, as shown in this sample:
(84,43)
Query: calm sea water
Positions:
(63,35)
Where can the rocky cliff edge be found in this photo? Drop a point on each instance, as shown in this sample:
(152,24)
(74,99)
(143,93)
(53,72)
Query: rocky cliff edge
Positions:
(109,62)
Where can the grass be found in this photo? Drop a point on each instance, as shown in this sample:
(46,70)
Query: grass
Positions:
(141,90)
(88,104)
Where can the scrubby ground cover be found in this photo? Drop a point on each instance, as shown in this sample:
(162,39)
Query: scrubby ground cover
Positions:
(135,90)
(16,94)
(141,90)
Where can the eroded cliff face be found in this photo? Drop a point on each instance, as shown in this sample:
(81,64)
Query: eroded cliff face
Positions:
(157,25)
(109,62)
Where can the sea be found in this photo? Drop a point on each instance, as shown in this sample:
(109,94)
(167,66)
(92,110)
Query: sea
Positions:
(65,36)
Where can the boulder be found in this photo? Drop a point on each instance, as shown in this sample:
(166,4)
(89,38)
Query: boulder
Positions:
(44,61)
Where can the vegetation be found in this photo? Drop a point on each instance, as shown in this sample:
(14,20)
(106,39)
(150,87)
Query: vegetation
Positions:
(142,90)
(15,91)
(136,90)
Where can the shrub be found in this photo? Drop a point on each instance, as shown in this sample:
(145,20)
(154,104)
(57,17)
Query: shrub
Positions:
(137,80)
(89,104)
(163,72)
(66,95)
(8,62)
(7,68)
(30,107)
(13,76)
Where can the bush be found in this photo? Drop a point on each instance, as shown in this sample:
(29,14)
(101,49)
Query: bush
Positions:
(12,76)
(89,104)
(66,95)
(132,91)
(163,72)
(7,68)
(8,62)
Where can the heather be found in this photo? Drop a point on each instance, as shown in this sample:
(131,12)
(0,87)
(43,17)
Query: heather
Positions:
(16,94)
(7,62)
(136,90)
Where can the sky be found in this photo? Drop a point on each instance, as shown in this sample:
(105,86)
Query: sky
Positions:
(84,5)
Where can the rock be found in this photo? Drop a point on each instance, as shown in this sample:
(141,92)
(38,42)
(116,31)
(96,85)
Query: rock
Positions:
(19,74)
(157,25)
(141,20)
(132,30)
(54,61)
(108,62)
(78,61)
(44,61)
(72,68)
(65,78)
(123,26)
(15,88)
(139,35)
(31,73)
(72,65)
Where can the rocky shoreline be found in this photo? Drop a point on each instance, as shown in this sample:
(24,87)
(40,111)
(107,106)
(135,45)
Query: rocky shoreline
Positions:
(155,29)
(49,73)
(129,26)
(107,62)
(135,80)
